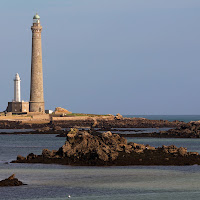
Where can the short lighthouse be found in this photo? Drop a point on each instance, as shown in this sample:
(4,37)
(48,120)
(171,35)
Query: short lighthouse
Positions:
(17,89)
(17,105)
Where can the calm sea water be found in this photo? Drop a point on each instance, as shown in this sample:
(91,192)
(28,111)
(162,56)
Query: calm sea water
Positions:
(185,118)
(56,182)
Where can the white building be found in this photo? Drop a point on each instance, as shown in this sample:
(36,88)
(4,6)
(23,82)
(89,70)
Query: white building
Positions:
(17,106)
(17,89)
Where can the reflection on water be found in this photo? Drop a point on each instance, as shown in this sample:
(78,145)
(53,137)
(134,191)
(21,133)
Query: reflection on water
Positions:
(57,182)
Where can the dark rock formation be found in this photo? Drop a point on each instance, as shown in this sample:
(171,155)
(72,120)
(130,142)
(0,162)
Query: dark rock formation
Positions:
(103,123)
(11,181)
(8,124)
(189,130)
(118,116)
(117,122)
(82,148)
(56,128)
(44,129)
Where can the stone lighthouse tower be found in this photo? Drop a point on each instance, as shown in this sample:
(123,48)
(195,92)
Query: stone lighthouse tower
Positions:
(36,90)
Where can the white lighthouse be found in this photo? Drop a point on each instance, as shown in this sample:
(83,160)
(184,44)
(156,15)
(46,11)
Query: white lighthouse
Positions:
(17,105)
(17,89)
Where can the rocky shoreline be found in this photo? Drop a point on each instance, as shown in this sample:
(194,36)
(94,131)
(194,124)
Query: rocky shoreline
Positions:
(102,123)
(108,124)
(188,130)
(183,130)
(107,149)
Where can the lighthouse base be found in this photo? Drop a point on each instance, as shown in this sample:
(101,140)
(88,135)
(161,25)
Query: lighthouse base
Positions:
(36,106)
(18,107)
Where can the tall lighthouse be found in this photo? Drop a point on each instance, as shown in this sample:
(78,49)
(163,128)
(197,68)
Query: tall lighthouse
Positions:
(17,90)
(36,103)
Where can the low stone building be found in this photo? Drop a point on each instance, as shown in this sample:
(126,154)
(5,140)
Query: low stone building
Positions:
(18,107)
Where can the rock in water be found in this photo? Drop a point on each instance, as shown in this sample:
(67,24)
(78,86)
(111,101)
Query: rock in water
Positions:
(83,148)
(189,130)
(11,177)
(11,181)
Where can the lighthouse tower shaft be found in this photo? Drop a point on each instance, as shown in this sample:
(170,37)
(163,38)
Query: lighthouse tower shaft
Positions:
(17,90)
(36,89)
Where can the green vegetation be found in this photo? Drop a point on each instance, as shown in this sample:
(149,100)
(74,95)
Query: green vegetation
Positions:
(80,114)
(88,115)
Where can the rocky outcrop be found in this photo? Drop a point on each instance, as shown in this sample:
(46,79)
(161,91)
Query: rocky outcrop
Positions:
(187,130)
(104,123)
(59,110)
(8,124)
(116,122)
(118,116)
(44,129)
(11,181)
(56,128)
(82,148)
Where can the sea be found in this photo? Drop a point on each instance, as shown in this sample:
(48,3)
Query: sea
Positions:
(59,182)
(184,118)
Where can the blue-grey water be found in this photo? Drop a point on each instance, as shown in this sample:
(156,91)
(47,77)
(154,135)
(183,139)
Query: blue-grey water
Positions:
(56,182)
(184,118)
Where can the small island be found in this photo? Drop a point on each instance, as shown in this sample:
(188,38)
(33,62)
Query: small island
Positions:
(187,130)
(11,181)
(84,148)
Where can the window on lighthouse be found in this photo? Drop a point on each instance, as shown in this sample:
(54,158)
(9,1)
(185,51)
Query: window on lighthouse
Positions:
(36,21)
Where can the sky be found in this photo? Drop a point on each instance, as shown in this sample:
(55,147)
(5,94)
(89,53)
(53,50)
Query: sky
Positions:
(106,56)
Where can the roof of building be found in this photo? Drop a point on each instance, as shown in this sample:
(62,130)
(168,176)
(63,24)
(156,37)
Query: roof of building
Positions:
(36,16)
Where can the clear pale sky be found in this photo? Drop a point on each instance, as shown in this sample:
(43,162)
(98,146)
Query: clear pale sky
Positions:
(106,56)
